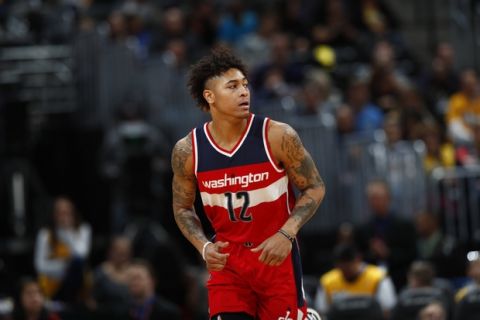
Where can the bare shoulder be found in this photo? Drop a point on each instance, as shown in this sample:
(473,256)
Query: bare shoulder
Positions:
(182,156)
(283,140)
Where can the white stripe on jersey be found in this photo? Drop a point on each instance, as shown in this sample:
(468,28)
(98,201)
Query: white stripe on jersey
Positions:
(267,194)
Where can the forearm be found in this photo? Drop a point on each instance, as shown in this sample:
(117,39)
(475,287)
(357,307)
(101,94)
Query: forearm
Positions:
(191,227)
(305,207)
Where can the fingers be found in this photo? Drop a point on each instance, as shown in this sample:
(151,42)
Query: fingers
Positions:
(258,248)
(221,244)
(216,260)
(270,255)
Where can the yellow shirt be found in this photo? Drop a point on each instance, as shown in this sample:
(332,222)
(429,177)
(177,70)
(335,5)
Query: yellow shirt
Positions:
(48,284)
(446,158)
(460,107)
(366,283)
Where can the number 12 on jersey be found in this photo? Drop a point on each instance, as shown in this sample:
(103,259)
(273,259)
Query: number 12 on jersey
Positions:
(243,216)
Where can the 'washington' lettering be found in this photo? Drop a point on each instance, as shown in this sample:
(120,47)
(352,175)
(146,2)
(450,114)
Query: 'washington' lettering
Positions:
(244,181)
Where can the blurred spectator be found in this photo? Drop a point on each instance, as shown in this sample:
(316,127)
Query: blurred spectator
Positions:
(436,247)
(139,35)
(433,311)
(203,23)
(464,108)
(469,155)
(31,304)
(473,273)
(352,276)
(387,78)
(368,116)
(237,22)
(337,29)
(345,120)
(173,26)
(317,97)
(400,163)
(280,76)
(441,81)
(439,152)
(420,275)
(420,292)
(135,159)
(110,289)
(387,239)
(145,305)
(117,27)
(255,47)
(414,113)
(61,252)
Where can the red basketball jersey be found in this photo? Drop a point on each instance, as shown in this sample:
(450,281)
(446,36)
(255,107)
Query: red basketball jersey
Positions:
(245,195)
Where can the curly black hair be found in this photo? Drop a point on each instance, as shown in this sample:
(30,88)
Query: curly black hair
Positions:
(219,61)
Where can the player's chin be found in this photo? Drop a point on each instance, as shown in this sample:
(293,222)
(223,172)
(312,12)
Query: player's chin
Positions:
(243,111)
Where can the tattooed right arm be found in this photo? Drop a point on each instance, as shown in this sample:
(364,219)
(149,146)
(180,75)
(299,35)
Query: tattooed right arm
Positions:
(183,188)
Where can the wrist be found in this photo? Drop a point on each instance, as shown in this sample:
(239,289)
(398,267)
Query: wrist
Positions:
(204,248)
(287,235)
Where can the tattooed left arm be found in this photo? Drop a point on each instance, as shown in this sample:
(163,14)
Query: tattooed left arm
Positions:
(289,151)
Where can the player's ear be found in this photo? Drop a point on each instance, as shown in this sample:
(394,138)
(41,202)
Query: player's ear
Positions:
(209,96)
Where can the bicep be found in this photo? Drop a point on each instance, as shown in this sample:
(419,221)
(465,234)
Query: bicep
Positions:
(296,160)
(184,181)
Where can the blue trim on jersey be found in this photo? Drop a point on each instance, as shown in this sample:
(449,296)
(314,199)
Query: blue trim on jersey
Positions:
(297,271)
(252,150)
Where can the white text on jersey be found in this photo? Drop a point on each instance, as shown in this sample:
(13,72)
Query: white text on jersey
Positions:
(244,181)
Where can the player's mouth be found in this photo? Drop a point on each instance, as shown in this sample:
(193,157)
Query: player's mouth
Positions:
(244,104)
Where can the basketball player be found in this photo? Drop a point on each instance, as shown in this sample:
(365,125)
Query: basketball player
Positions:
(242,165)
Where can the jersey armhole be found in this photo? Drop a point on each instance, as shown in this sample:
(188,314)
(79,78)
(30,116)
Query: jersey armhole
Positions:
(194,151)
(268,150)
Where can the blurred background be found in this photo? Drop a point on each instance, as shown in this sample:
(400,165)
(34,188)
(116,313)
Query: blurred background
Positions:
(385,95)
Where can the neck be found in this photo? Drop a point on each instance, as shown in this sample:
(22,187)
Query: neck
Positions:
(226,132)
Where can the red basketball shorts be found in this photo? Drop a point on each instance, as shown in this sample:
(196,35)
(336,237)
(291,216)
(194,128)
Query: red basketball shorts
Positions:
(265,292)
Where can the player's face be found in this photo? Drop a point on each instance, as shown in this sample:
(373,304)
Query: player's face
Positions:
(228,94)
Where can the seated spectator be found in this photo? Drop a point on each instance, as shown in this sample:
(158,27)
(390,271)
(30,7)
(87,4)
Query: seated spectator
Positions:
(400,163)
(353,277)
(420,292)
(439,152)
(464,108)
(316,96)
(145,305)
(368,116)
(441,81)
(386,239)
(61,250)
(420,275)
(237,22)
(110,289)
(31,304)
(473,272)
(433,311)
(345,120)
(436,247)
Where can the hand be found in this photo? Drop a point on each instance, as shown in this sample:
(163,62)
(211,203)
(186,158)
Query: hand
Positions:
(215,259)
(274,250)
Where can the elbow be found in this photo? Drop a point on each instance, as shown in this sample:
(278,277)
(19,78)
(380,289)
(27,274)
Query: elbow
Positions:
(320,191)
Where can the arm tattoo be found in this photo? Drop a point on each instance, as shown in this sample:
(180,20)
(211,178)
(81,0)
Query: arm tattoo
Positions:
(183,189)
(304,174)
